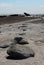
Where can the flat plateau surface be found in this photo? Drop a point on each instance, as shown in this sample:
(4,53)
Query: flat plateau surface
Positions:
(33,32)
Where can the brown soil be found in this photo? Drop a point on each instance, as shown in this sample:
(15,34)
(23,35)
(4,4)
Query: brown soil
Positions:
(13,19)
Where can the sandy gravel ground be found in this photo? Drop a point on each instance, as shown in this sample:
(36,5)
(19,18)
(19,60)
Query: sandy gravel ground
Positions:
(34,33)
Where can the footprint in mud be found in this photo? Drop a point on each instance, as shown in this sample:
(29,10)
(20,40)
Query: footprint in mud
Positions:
(0,32)
(23,26)
(22,33)
(24,29)
(42,32)
(39,42)
(4,46)
(0,27)
(9,25)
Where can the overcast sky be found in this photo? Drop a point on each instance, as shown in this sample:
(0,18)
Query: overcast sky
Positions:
(20,6)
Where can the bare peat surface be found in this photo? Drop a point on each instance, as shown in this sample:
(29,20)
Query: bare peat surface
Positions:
(14,19)
(35,36)
(38,22)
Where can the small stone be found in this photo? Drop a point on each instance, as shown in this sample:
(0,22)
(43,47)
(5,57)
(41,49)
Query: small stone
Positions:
(23,42)
(18,39)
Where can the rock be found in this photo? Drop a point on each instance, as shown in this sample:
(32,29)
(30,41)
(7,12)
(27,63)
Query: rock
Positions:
(23,42)
(4,46)
(18,39)
(20,51)
(26,14)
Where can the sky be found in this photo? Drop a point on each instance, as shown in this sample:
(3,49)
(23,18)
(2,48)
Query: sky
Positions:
(21,6)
